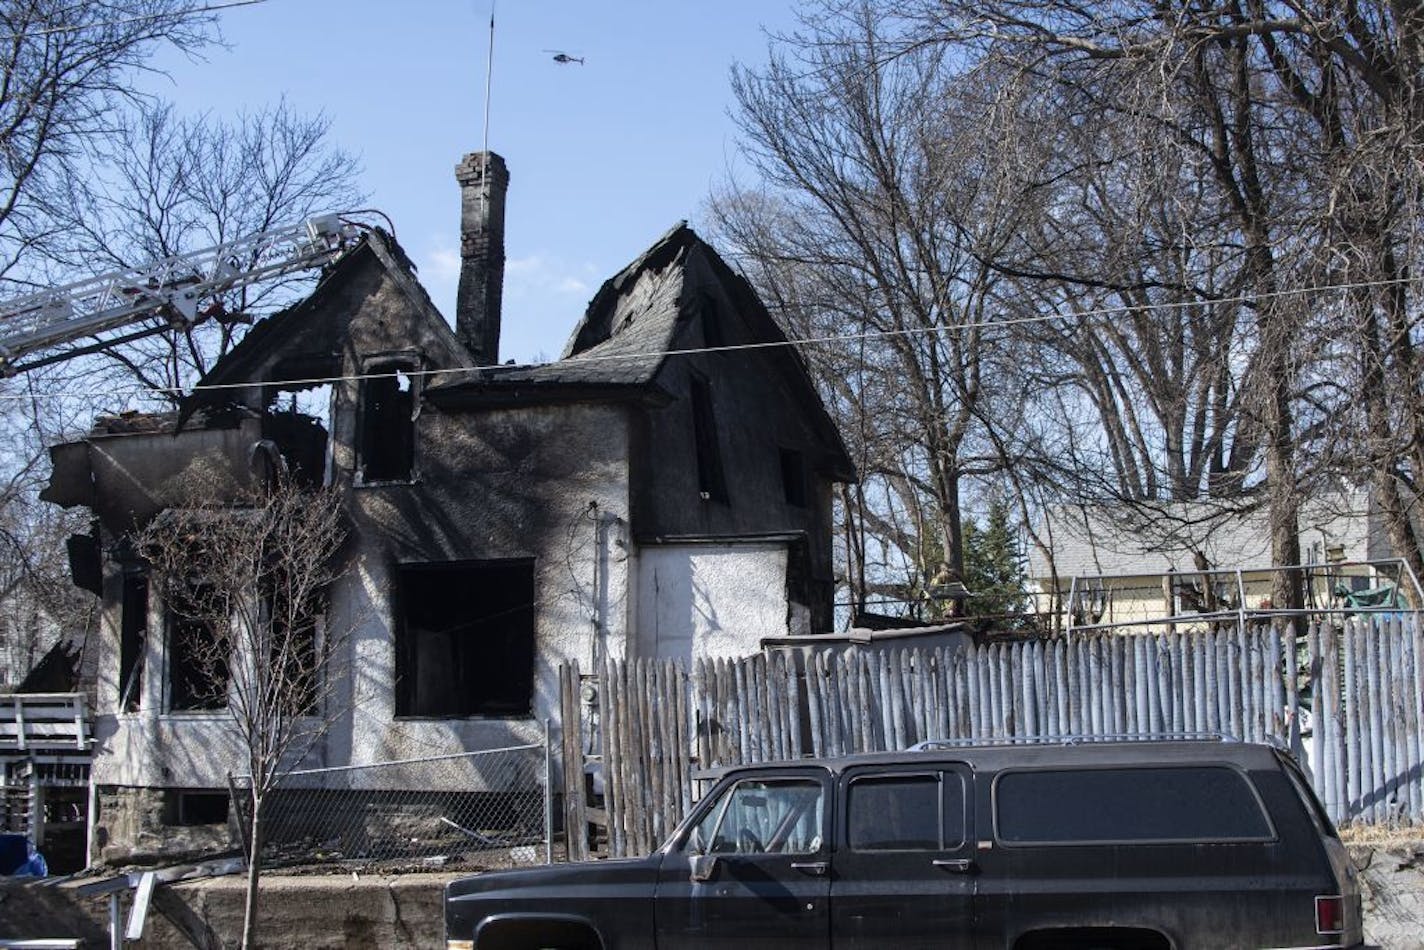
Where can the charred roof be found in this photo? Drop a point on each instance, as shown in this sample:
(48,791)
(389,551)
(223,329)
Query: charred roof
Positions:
(637,323)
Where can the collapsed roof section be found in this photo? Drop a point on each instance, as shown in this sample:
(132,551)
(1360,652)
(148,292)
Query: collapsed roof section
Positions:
(309,343)
(133,466)
(662,307)
(653,311)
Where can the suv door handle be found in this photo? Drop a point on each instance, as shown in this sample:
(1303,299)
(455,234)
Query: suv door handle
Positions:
(813,868)
(955,865)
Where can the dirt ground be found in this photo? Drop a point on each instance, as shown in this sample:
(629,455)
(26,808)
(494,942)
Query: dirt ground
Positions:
(1392,881)
(316,912)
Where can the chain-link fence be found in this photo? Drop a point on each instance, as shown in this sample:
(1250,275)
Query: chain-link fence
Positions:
(428,810)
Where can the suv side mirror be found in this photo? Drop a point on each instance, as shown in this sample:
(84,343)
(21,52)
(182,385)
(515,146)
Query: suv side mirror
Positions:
(703,867)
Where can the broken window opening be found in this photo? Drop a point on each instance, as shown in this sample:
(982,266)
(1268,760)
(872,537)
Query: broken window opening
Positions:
(386,442)
(198,671)
(711,482)
(133,632)
(465,639)
(196,808)
(314,401)
(297,421)
(793,477)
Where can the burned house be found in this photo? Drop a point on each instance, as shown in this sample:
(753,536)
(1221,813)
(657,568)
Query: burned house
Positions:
(629,499)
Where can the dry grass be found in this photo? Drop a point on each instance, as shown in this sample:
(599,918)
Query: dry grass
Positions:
(1383,836)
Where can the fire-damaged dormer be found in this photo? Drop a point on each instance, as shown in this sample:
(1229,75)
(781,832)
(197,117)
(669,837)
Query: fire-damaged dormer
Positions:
(661,490)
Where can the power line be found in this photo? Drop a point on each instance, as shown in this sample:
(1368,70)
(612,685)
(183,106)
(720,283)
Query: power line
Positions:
(870,335)
(77,27)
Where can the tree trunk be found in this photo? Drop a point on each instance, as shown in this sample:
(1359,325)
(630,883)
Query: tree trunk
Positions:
(1286,590)
(952,527)
(1381,443)
(254,872)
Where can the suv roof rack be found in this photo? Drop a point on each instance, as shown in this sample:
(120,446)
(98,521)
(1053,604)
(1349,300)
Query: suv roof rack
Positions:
(930,745)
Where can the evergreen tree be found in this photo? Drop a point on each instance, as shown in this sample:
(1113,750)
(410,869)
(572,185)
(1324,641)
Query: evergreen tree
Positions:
(994,565)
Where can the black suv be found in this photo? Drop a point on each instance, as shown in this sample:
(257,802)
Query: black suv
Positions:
(1147,845)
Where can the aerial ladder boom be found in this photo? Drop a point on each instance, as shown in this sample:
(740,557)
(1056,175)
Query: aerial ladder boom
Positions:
(173,288)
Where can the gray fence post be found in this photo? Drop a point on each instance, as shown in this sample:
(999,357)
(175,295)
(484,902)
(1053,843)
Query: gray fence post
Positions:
(548,796)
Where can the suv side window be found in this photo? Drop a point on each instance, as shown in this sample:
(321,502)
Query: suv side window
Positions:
(1306,796)
(905,813)
(762,816)
(1128,805)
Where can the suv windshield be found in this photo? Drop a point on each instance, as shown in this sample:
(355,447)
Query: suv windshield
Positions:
(756,816)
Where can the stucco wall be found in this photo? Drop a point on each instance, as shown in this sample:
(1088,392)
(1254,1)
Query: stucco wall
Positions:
(548,484)
(708,600)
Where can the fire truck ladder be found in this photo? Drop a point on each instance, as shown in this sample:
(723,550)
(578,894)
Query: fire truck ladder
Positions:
(172,288)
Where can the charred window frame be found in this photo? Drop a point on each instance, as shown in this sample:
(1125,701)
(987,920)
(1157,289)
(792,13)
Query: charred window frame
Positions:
(465,639)
(198,663)
(133,635)
(711,481)
(385,438)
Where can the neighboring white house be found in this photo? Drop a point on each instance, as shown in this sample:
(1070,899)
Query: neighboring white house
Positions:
(1112,565)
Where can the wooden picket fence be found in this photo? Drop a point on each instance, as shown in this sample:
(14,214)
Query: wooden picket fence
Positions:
(653,725)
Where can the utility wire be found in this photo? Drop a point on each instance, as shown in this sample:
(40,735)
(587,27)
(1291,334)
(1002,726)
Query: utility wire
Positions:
(477,371)
(77,27)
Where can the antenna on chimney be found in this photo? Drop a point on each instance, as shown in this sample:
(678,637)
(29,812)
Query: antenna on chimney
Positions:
(489,82)
(489,77)
(484,180)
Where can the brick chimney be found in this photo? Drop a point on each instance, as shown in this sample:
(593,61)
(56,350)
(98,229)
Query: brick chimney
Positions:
(484,180)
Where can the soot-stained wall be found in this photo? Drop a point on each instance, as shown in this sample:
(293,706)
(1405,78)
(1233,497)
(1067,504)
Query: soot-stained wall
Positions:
(547,486)
(760,414)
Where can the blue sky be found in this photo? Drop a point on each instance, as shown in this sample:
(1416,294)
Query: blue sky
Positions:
(603,157)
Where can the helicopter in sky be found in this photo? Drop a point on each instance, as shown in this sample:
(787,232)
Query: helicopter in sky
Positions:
(563,58)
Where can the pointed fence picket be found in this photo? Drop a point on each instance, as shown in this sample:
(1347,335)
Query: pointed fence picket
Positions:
(1346,700)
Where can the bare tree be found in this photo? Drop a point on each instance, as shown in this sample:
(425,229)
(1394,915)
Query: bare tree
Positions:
(1309,116)
(246,583)
(34,569)
(169,185)
(872,224)
(66,71)
(96,176)
(1176,174)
